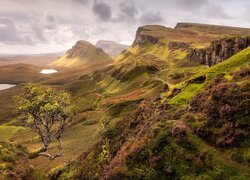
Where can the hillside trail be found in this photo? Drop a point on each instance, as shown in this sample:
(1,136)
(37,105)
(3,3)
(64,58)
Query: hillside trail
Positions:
(160,79)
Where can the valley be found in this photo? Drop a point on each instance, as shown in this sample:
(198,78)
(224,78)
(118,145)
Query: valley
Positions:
(163,108)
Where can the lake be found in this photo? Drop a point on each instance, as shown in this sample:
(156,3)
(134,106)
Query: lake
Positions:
(6,86)
(48,71)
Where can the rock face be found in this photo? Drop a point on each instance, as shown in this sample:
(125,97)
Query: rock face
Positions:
(82,53)
(219,50)
(111,47)
(141,38)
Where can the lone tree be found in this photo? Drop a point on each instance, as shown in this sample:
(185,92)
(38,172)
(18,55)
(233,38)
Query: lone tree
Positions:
(46,111)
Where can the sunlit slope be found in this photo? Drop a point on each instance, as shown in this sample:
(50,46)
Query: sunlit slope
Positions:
(203,79)
(82,54)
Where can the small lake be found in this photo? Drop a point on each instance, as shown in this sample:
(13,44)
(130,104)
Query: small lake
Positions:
(48,71)
(6,86)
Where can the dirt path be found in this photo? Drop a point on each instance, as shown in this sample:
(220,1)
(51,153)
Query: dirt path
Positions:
(162,80)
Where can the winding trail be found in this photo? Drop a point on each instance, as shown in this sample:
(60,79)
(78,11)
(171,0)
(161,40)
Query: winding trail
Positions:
(162,80)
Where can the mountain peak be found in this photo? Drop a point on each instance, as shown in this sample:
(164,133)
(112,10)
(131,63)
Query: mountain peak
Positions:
(82,53)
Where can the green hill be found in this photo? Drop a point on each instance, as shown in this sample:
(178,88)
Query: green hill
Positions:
(82,53)
(158,111)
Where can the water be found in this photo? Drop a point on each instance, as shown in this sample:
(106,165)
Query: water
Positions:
(6,86)
(48,71)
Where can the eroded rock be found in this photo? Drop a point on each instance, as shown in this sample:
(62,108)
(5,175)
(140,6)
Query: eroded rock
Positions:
(219,50)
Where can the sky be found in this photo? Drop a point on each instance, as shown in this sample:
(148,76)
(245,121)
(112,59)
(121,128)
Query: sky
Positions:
(43,26)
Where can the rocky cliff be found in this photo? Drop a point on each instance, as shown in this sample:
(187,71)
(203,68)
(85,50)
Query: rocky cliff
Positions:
(219,50)
(142,37)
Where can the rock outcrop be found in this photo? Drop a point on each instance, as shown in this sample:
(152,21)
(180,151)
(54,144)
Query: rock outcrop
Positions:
(219,50)
(142,37)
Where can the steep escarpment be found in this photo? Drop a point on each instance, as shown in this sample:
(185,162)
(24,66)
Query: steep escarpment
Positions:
(219,50)
(142,37)
(82,53)
(197,35)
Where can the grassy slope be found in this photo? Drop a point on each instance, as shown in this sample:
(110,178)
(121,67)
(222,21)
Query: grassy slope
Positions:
(240,60)
(82,54)
(104,95)
(173,61)
(207,161)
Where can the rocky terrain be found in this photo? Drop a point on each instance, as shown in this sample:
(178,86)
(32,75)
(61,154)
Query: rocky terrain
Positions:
(219,50)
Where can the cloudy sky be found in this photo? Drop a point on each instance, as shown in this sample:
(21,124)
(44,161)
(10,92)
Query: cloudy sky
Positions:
(39,26)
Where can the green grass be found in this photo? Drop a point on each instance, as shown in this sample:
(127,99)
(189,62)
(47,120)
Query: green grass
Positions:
(6,132)
(186,94)
(234,63)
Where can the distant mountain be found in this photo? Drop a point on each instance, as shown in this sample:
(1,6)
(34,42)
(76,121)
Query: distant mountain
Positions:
(82,53)
(33,59)
(111,47)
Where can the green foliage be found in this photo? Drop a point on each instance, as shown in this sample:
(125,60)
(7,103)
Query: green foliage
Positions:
(14,163)
(45,110)
(104,156)
(104,126)
(6,131)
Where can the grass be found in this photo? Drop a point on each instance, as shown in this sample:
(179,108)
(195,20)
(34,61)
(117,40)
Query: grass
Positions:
(6,132)
(188,90)
(186,94)
(234,63)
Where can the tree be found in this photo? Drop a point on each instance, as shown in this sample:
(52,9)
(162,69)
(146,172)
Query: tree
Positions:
(46,111)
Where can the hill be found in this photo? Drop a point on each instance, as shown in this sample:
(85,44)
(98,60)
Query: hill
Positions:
(111,47)
(159,111)
(170,115)
(82,53)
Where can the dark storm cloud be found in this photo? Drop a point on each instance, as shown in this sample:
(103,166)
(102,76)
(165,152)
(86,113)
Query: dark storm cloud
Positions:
(102,10)
(151,18)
